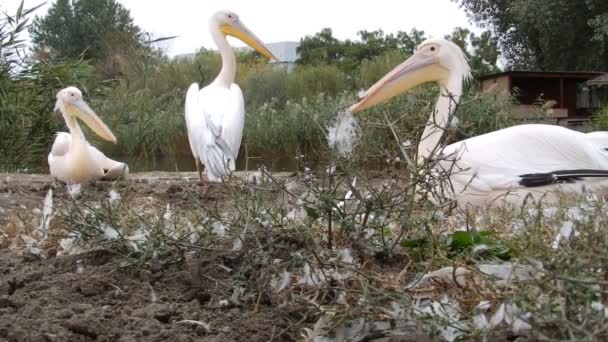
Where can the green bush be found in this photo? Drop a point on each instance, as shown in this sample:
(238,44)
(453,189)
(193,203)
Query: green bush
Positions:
(600,119)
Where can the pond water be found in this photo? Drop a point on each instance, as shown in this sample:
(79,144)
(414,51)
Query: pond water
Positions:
(185,163)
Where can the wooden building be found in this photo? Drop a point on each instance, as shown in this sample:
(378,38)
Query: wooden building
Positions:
(564,98)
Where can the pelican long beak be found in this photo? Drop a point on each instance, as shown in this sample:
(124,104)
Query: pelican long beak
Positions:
(416,70)
(241,32)
(88,116)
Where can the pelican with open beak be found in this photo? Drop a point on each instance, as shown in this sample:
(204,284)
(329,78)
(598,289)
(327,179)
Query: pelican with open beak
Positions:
(504,166)
(72,159)
(215,114)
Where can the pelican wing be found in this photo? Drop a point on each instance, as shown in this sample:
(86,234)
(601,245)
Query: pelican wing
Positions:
(193,121)
(61,145)
(215,121)
(59,163)
(499,160)
(112,169)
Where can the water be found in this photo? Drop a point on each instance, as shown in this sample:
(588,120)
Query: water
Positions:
(185,163)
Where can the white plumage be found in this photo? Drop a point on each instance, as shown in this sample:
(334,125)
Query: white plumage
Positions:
(72,159)
(215,117)
(505,166)
(61,163)
(215,114)
(488,168)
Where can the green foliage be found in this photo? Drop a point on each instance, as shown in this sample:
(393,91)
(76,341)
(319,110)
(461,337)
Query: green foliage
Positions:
(90,28)
(27,97)
(600,119)
(28,125)
(480,244)
(11,41)
(484,53)
(324,49)
(482,114)
(546,34)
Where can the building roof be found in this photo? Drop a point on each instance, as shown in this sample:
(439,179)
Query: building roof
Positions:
(599,81)
(545,74)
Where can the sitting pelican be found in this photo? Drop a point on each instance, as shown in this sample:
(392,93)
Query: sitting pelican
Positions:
(72,159)
(500,167)
(215,115)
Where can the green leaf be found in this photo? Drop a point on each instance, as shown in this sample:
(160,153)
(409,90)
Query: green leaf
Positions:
(162,39)
(20,10)
(311,212)
(416,243)
(461,240)
(30,10)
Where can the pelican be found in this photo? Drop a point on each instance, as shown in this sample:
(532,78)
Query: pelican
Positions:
(72,159)
(501,167)
(215,115)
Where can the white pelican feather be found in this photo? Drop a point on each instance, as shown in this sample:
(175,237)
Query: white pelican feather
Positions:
(505,166)
(215,114)
(72,159)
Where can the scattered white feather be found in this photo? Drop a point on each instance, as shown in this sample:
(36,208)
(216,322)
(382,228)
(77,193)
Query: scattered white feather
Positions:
(597,306)
(74,190)
(68,245)
(219,229)
(311,277)
(109,233)
(564,233)
(483,306)
(278,284)
(481,322)
(205,325)
(136,238)
(498,316)
(349,194)
(517,319)
(114,196)
(446,274)
(449,311)
(47,212)
(237,244)
(343,135)
(168,213)
(346,256)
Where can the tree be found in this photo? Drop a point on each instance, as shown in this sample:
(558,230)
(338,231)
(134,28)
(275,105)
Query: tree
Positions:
(482,51)
(324,49)
(546,34)
(92,28)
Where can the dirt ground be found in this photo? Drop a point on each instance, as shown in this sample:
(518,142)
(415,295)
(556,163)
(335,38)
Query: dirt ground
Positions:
(92,297)
(101,296)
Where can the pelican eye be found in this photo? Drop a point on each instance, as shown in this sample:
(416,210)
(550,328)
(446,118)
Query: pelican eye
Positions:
(432,48)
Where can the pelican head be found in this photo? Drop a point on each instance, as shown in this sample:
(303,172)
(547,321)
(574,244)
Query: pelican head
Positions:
(72,106)
(435,60)
(230,25)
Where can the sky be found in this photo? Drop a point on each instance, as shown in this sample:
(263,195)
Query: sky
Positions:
(274,20)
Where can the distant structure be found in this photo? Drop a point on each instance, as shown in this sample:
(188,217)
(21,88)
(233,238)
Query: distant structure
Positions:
(565,98)
(286,52)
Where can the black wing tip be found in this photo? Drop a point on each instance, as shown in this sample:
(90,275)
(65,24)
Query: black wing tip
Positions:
(560,176)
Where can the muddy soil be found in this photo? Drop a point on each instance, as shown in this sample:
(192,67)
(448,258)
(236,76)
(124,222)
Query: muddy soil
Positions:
(97,297)
(101,296)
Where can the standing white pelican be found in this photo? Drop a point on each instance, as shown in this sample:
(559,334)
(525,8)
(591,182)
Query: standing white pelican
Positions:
(215,115)
(72,159)
(498,167)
